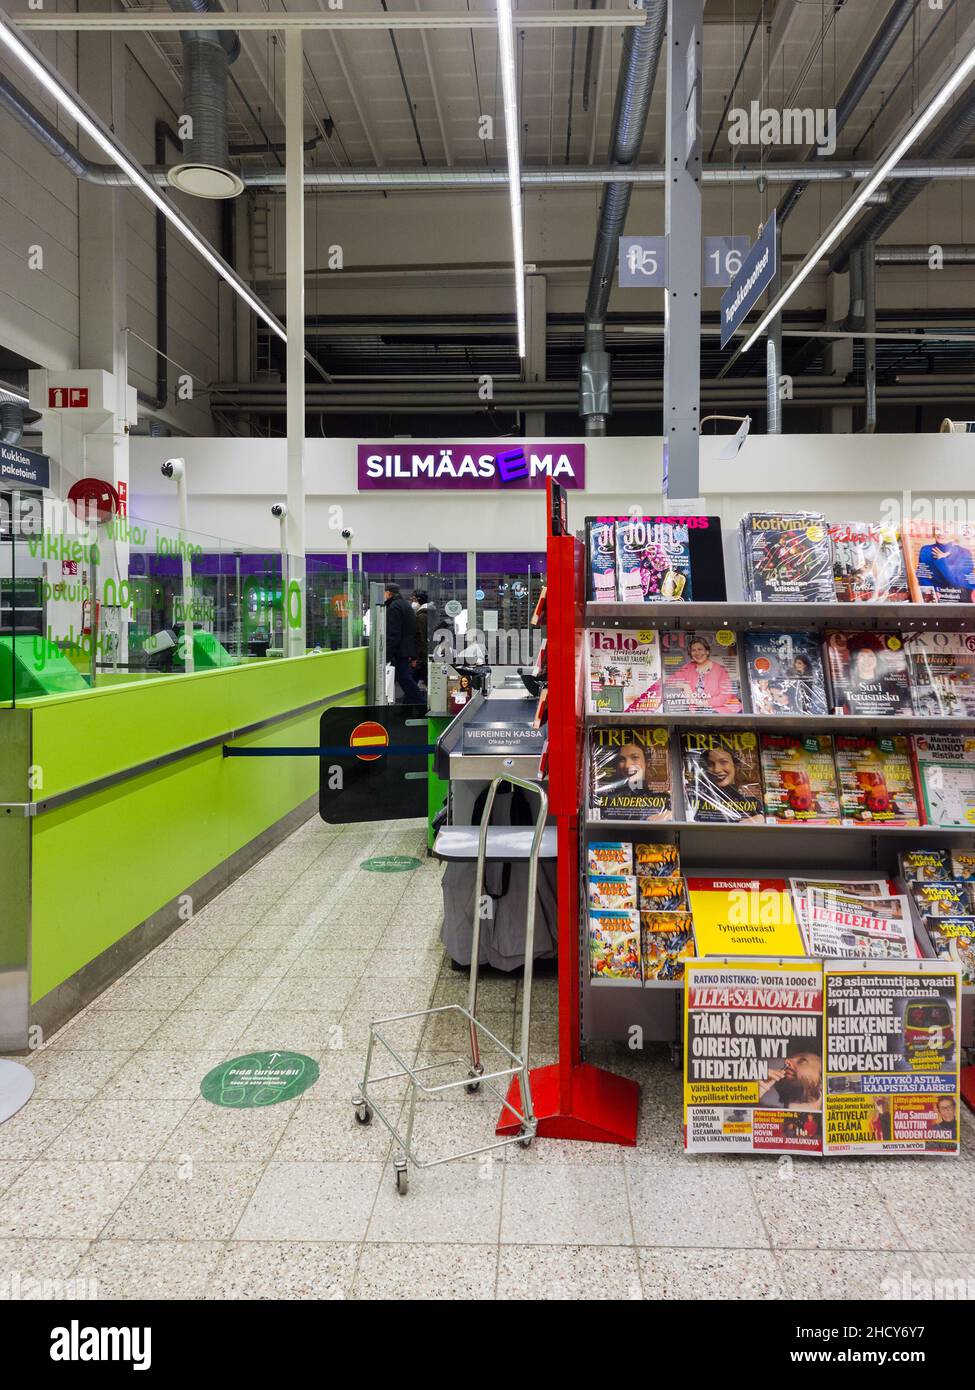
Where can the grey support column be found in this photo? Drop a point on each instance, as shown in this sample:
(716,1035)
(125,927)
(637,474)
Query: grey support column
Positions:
(682,337)
(295,296)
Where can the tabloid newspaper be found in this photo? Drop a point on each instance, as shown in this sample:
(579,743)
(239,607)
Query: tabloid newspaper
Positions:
(892,1058)
(785,673)
(942,667)
(700,672)
(836,927)
(753,1057)
(624,671)
(868,563)
(945,766)
(630,775)
(744,917)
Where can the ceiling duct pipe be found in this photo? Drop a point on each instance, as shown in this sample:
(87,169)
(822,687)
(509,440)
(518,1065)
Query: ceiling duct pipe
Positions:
(638,69)
(891,28)
(11,421)
(207,54)
(869,265)
(953,133)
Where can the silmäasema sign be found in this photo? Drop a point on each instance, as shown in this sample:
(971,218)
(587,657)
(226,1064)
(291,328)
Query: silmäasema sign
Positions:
(467,467)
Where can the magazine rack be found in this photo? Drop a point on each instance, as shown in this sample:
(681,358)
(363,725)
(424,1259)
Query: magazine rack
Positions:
(581,1101)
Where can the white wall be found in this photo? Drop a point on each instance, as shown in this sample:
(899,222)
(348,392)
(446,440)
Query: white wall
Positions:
(232,483)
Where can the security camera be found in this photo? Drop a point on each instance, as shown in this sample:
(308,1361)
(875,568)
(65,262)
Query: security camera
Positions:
(278,509)
(173,468)
(347,533)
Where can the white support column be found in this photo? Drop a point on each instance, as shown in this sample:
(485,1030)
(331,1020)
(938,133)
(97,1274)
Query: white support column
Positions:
(295,298)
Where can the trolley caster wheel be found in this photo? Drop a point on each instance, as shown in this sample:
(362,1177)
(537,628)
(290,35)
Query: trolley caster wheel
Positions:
(363,1114)
(402,1181)
(525,1139)
(474,1085)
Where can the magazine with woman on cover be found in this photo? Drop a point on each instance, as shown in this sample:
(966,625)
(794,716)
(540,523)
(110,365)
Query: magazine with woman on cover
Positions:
(940,559)
(785,673)
(868,563)
(700,672)
(630,775)
(868,673)
(942,667)
(722,780)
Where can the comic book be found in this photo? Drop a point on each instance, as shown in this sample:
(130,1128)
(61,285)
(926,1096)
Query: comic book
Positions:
(656,861)
(945,765)
(630,773)
(667,941)
(601,554)
(609,857)
(700,672)
(614,947)
(867,673)
(612,892)
(785,672)
(940,560)
(722,779)
(948,899)
(962,865)
(799,776)
(653,559)
(920,865)
(876,781)
(953,939)
(661,894)
(624,671)
(787,557)
(868,563)
(942,669)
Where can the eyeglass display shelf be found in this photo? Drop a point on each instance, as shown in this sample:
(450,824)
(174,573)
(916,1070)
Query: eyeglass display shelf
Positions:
(793,723)
(817,617)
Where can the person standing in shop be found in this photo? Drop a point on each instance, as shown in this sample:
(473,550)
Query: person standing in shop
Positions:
(423,611)
(401,644)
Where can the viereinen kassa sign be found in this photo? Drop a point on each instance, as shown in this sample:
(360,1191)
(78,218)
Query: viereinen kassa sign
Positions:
(464,467)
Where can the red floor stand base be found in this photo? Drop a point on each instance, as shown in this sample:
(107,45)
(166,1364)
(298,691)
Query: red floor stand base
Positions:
(968,1086)
(603,1106)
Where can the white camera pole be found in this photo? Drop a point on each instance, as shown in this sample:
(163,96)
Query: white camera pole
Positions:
(280,511)
(176,469)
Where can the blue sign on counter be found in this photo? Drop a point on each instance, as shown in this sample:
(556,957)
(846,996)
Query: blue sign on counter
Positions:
(24,467)
(750,283)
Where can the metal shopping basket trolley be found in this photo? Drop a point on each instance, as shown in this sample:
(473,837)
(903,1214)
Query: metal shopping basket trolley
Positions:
(474,1076)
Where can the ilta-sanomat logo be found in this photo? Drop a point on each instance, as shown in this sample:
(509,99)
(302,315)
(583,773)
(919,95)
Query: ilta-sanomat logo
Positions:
(77,1343)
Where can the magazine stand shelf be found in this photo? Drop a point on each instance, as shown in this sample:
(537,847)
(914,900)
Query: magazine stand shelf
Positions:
(813,617)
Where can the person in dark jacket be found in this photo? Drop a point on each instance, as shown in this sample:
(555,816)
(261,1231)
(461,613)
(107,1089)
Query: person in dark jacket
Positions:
(401,644)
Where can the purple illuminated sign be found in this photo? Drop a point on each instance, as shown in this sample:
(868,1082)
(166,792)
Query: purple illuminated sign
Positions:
(464,467)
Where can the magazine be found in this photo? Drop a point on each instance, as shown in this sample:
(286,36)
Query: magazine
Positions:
(624,671)
(940,560)
(722,780)
(700,672)
(743,917)
(612,892)
(942,667)
(601,552)
(876,781)
(653,559)
(630,776)
(962,865)
(946,778)
(661,894)
(892,1052)
(867,673)
(656,861)
(786,557)
(918,865)
(833,927)
(859,888)
(753,1057)
(953,939)
(667,941)
(799,776)
(609,857)
(948,899)
(868,563)
(785,673)
(614,947)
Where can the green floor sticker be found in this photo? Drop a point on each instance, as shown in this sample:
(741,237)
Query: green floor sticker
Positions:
(259,1078)
(390,864)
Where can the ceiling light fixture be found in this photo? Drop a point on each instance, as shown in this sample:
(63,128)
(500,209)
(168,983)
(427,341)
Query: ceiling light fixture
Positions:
(892,156)
(38,66)
(506,58)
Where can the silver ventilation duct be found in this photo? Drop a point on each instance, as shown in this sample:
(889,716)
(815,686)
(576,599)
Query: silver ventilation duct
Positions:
(207,54)
(11,421)
(638,69)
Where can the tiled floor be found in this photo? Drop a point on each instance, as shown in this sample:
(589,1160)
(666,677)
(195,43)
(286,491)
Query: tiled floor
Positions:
(118,1180)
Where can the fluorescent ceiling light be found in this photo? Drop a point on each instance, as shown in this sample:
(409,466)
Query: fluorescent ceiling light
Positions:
(49,78)
(506,57)
(895,152)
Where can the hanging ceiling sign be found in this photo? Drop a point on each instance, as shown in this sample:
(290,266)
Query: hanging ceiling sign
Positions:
(751,282)
(24,467)
(469,467)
